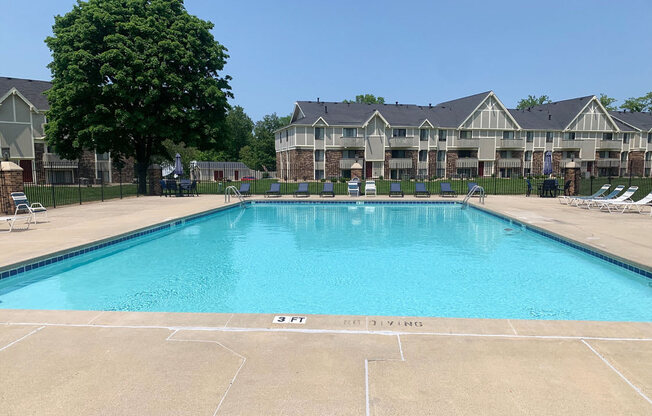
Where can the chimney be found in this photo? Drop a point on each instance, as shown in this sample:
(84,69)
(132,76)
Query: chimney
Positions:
(429,105)
(326,109)
(397,103)
(317,99)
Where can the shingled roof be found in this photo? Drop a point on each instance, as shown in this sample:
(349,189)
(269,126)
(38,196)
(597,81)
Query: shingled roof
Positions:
(642,121)
(31,89)
(552,116)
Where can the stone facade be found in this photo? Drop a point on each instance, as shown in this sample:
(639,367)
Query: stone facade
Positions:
(332,163)
(432,163)
(126,175)
(86,166)
(12,181)
(637,163)
(303,164)
(154,176)
(574,175)
(39,170)
(451,163)
(556,162)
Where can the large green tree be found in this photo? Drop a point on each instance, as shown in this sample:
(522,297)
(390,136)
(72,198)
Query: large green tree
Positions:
(366,99)
(635,104)
(531,101)
(607,102)
(238,133)
(129,74)
(260,154)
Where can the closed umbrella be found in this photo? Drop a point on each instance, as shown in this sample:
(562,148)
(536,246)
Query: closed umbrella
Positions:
(547,163)
(178,166)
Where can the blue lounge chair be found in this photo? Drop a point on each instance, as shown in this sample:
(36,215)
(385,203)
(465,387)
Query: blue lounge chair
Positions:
(395,189)
(327,190)
(245,189)
(420,189)
(303,190)
(610,196)
(471,185)
(446,190)
(274,190)
(24,207)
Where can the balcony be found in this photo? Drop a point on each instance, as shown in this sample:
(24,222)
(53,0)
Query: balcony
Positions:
(400,163)
(511,143)
(467,162)
(510,162)
(467,142)
(348,163)
(608,163)
(527,164)
(422,165)
(609,144)
(569,144)
(352,141)
(402,142)
(54,159)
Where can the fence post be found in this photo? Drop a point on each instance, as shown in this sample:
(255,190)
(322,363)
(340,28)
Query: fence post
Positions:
(120,173)
(79,190)
(591,185)
(630,173)
(54,199)
(102,186)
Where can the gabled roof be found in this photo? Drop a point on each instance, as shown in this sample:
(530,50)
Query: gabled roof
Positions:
(642,121)
(32,90)
(552,116)
(453,113)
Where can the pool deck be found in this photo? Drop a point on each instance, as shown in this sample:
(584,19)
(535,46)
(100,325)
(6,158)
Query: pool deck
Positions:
(135,363)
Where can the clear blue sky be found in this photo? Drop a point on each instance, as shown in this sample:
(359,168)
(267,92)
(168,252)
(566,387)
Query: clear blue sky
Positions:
(416,52)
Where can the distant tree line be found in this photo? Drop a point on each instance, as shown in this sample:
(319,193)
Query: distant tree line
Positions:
(634,104)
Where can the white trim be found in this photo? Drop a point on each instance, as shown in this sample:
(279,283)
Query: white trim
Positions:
(14,91)
(491,94)
(322,119)
(424,122)
(604,110)
(376,113)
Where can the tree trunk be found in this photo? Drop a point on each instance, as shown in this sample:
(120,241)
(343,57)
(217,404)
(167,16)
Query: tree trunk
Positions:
(141,173)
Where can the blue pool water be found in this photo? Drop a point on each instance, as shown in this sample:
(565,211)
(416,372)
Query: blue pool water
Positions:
(372,259)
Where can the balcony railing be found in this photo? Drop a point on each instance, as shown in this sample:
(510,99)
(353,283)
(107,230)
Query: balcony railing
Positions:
(609,144)
(511,143)
(467,142)
(510,162)
(422,165)
(402,142)
(467,162)
(400,163)
(569,144)
(352,141)
(608,163)
(348,163)
(527,164)
(319,165)
(54,158)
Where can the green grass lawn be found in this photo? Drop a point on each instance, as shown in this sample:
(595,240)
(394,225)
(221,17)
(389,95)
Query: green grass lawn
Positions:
(71,194)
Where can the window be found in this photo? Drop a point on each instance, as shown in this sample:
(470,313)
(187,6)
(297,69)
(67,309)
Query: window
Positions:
(319,133)
(319,155)
(529,136)
(604,155)
(508,134)
(649,137)
(399,133)
(648,156)
(442,135)
(423,135)
(441,156)
(549,136)
(607,136)
(287,134)
(102,156)
(399,154)
(319,174)
(625,138)
(350,132)
(423,155)
(505,154)
(571,155)
(623,157)
(346,173)
(569,135)
(348,154)
(465,134)
(464,153)
(528,156)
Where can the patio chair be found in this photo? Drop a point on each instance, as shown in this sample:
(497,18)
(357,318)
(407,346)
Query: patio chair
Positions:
(163,187)
(274,190)
(446,190)
(370,188)
(245,189)
(24,207)
(327,190)
(193,189)
(608,197)
(184,185)
(529,187)
(549,188)
(172,187)
(568,200)
(566,189)
(11,220)
(626,206)
(395,189)
(303,190)
(420,190)
(353,188)
(625,197)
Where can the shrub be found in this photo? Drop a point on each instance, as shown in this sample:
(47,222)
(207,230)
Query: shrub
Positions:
(380,178)
(322,180)
(342,180)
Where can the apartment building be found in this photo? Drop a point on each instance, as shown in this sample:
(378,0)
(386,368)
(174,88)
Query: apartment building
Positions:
(23,106)
(468,137)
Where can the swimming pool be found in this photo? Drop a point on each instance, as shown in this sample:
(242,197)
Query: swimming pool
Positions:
(340,258)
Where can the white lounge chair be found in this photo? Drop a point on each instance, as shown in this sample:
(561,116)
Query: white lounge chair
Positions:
(370,188)
(568,200)
(23,205)
(587,202)
(625,197)
(626,206)
(11,220)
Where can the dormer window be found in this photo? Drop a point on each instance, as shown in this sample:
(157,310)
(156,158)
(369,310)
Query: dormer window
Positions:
(319,133)
(423,135)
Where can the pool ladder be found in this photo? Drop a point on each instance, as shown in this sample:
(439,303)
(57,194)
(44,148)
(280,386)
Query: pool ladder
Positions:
(232,190)
(477,189)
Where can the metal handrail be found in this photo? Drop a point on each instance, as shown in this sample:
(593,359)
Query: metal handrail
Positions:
(476,189)
(232,190)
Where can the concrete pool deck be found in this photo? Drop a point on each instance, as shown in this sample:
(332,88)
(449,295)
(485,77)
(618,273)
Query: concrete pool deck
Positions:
(93,362)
